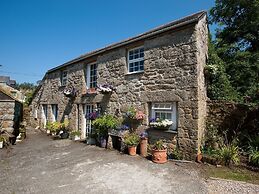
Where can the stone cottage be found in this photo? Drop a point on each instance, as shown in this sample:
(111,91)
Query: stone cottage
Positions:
(10,110)
(160,72)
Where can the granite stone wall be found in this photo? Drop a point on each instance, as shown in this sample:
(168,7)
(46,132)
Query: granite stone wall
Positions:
(7,115)
(173,72)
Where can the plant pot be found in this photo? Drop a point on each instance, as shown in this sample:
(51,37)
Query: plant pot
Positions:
(199,157)
(76,138)
(159,156)
(91,141)
(103,142)
(48,131)
(1,144)
(143,147)
(132,150)
(64,135)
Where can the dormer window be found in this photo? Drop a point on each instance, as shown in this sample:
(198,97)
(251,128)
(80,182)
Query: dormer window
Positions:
(136,60)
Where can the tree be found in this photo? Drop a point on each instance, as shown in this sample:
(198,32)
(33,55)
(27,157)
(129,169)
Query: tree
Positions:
(237,43)
(218,84)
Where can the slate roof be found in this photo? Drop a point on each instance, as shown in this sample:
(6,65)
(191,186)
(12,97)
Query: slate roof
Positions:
(171,25)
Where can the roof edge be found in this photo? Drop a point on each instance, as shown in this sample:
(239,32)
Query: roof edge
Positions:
(160,29)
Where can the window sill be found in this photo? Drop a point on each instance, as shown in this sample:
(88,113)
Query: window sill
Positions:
(135,72)
(164,131)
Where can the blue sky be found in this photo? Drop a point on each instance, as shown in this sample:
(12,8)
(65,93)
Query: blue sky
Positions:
(36,35)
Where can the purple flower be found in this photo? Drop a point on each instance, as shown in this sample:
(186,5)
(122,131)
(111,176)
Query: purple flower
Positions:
(152,120)
(143,135)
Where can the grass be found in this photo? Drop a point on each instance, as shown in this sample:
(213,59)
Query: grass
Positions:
(234,173)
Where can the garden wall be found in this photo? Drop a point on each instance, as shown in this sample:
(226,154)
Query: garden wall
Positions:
(239,120)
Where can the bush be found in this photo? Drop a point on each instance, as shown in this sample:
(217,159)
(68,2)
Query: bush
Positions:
(131,139)
(228,154)
(159,145)
(254,157)
(104,123)
(76,133)
(177,154)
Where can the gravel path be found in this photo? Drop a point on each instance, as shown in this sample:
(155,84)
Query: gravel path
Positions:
(216,186)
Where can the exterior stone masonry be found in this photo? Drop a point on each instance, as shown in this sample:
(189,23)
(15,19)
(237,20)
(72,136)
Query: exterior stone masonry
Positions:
(174,59)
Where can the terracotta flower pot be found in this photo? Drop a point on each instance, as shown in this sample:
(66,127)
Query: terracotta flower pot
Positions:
(159,156)
(143,147)
(132,150)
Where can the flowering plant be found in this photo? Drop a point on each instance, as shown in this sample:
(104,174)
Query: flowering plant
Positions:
(143,135)
(105,88)
(160,123)
(134,114)
(92,116)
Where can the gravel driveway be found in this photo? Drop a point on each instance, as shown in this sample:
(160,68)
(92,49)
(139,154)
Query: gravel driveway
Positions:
(42,165)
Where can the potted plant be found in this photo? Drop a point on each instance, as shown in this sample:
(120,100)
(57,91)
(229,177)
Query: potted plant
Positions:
(132,141)
(91,139)
(132,113)
(102,125)
(75,135)
(54,128)
(63,131)
(48,127)
(105,88)
(159,152)
(2,141)
(158,123)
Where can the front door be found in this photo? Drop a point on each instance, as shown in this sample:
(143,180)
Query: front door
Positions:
(88,109)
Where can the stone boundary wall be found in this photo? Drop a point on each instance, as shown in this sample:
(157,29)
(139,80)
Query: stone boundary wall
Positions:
(237,118)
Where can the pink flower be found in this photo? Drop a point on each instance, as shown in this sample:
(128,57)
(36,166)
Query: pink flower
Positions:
(140,115)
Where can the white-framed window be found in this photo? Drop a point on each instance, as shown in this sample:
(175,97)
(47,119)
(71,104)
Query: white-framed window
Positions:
(91,75)
(165,111)
(54,108)
(63,78)
(136,60)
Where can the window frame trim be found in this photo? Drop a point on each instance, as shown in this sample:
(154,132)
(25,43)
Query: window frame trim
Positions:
(135,60)
(88,74)
(174,108)
(62,78)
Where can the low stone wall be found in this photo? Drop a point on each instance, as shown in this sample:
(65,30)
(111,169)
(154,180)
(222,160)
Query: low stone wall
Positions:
(238,119)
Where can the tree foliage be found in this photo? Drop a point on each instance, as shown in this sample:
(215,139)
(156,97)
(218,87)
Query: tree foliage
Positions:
(237,43)
(219,87)
(28,90)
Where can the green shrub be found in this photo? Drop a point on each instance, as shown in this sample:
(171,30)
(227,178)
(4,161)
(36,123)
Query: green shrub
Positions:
(76,133)
(177,154)
(2,138)
(254,157)
(228,154)
(104,123)
(131,139)
(159,145)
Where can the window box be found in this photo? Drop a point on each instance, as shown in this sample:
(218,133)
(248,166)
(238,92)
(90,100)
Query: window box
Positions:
(105,88)
(91,91)
(70,92)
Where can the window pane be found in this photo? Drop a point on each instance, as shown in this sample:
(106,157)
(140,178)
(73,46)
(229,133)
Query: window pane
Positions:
(169,116)
(136,56)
